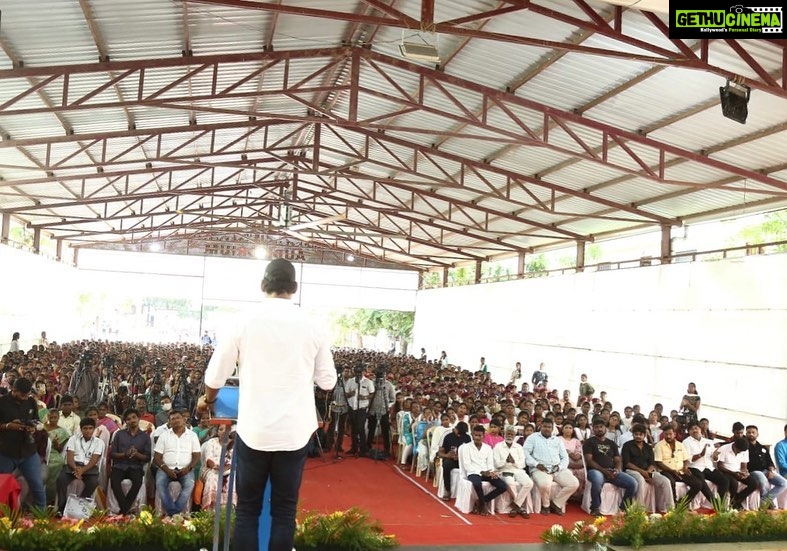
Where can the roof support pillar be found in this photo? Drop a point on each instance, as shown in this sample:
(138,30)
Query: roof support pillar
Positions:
(520,264)
(666,244)
(580,264)
(5,227)
(37,240)
(445,276)
(59,253)
(478,271)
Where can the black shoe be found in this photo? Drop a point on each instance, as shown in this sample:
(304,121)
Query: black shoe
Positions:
(595,513)
(555,509)
(544,510)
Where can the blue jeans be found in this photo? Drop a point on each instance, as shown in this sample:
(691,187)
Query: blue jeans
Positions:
(769,488)
(30,467)
(180,505)
(255,468)
(621,480)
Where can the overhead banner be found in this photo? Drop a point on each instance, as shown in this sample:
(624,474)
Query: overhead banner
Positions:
(726,20)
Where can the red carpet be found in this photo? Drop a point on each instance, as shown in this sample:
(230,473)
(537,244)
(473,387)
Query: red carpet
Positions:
(410,509)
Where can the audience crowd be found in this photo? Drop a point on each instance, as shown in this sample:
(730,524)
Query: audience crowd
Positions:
(113,413)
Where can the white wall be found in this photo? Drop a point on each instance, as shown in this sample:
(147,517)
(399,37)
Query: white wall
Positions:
(36,294)
(641,334)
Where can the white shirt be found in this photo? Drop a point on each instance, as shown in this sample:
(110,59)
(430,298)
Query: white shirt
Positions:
(176,450)
(500,454)
(473,460)
(693,447)
(361,397)
(70,423)
(280,353)
(731,460)
(84,450)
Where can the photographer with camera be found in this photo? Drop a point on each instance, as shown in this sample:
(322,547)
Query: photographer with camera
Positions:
(18,420)
(358,390)
(383,398)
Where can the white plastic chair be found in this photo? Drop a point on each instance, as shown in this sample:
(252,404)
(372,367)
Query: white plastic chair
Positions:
(454,483)
(465,493)
(611,496)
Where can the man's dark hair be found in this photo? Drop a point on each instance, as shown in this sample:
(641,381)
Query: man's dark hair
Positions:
(87,422)
(461,428)
(736,426)
(128,412)
(180,412)
(90,408)
(67,400)
(692,424)
(598,420)
(741,444)
(479,428)
(639,418)
(638,428)
(15,336)
(279,277)
(547,421)
(23,385)
(752,427)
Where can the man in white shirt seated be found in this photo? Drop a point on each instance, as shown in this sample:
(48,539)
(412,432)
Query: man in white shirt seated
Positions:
(733,463)
(702,454)
(475,458)
(509,459)
(68,419)
(83,452)
(177,453)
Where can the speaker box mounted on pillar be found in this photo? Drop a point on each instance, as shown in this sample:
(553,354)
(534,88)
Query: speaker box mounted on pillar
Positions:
(735,101)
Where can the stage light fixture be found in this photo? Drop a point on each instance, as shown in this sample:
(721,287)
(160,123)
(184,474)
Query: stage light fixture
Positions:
(734,100)
(350,258)
(260,253)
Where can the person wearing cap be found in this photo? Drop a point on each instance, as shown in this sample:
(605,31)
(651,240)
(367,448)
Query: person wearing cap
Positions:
(509,460)
(280,353)
(18,416)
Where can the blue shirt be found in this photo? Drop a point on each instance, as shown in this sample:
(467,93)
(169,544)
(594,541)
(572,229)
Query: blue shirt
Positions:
(122,442)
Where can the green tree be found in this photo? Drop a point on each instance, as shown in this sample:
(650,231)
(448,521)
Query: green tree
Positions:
(773,228)
(431,280)
(537,263)
(461,276)
(19,234)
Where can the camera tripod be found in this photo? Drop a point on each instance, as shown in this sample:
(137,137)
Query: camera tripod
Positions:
(379,418)
(338,413)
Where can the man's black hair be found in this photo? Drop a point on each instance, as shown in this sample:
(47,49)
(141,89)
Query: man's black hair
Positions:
(23,384)
(87,422)
(461,428)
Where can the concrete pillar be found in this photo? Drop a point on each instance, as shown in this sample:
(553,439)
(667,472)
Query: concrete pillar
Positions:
(37,240)
(5,227)
(478,271)
(76,257)
(666,244)
(580,264)
(520,265)
(59,244)
(445,276)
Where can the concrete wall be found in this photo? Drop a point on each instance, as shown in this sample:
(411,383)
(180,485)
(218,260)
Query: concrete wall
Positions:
(641,334)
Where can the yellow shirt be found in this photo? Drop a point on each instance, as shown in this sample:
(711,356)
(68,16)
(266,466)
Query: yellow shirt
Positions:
(70,423)
(674,459)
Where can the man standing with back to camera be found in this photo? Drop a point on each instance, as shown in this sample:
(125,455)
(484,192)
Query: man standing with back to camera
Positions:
(280,353)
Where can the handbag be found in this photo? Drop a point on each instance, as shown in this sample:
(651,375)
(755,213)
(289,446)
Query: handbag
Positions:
(79,507)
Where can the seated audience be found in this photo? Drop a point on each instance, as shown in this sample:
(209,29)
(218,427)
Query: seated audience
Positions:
(604,465)
(702,456)
(130,452)
(68,419)
(176,455)
(547,463)
(477,461)
(575,462)
(638,460)
(673,462)
(214,475)
(781,454)
(449,455)
(733,458)
(83,453)
(762,469)
(509,460)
